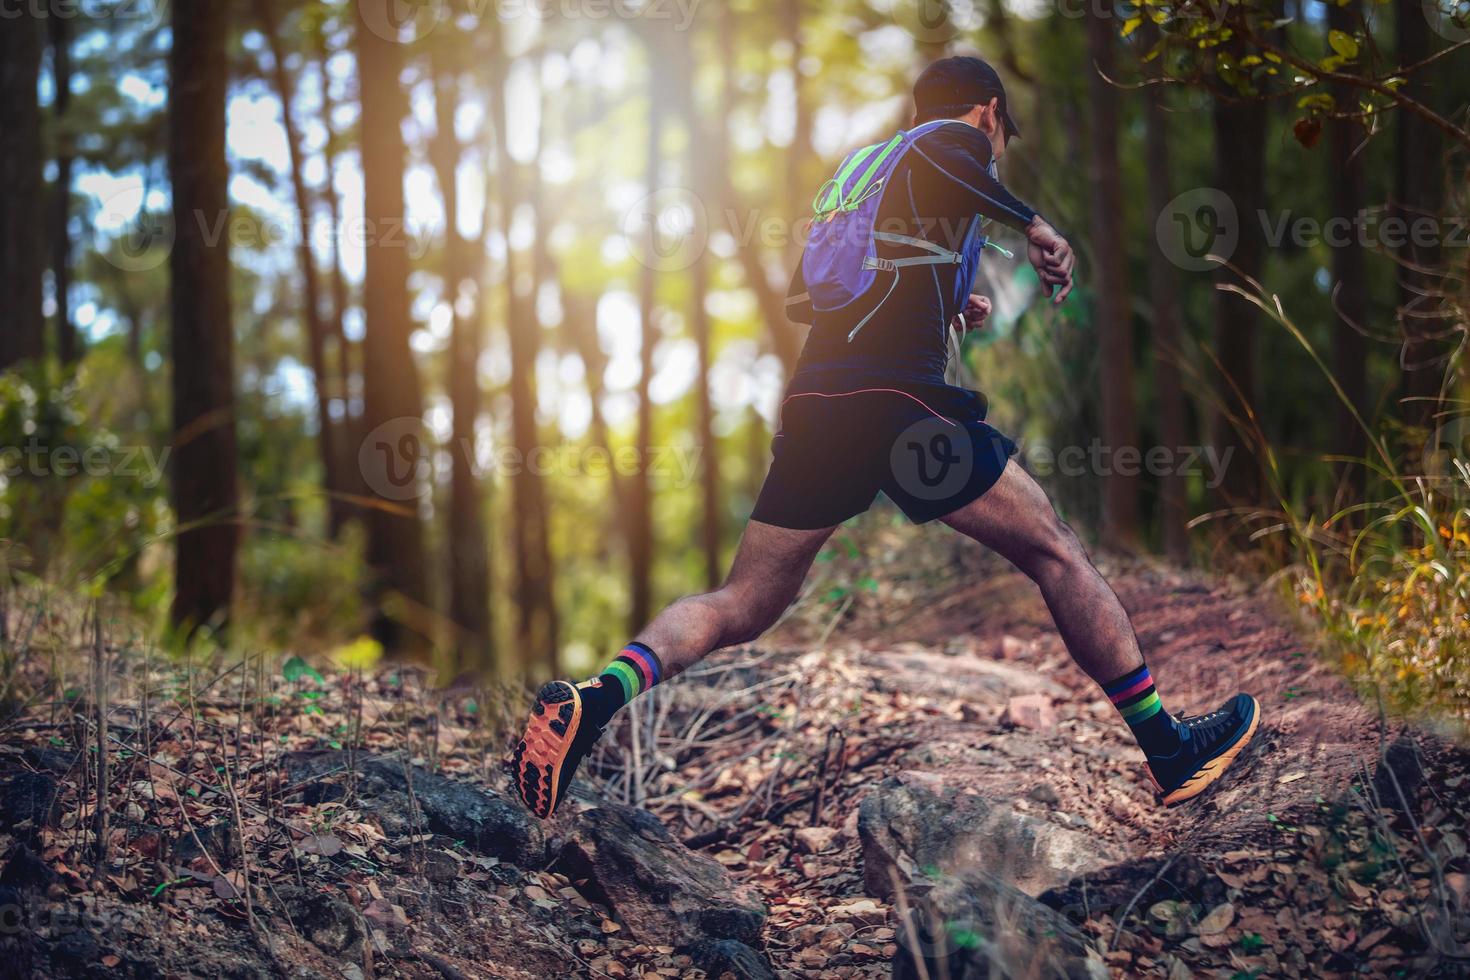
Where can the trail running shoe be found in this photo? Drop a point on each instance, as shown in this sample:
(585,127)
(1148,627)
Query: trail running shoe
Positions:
(1212,742)
(558,737)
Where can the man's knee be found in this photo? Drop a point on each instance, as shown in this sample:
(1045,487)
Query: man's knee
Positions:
(1055,551)
(746,613)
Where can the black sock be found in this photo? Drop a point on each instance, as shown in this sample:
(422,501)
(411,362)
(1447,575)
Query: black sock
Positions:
(1134,696)
(634,670)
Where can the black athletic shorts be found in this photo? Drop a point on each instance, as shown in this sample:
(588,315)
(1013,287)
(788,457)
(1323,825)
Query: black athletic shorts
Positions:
(924,445)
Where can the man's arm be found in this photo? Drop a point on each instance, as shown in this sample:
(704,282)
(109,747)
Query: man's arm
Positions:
(961,156)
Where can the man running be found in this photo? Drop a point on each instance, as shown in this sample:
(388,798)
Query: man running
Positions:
(867,410)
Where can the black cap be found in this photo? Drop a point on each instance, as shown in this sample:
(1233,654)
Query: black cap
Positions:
(961,81)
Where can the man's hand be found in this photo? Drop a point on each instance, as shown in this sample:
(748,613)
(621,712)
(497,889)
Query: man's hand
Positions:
(976,312)
(1052,257)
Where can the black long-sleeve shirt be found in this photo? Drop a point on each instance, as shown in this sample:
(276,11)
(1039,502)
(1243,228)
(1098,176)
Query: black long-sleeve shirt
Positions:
(939,186)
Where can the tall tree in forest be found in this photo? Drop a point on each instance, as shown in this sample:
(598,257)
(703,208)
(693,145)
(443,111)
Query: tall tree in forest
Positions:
(1240,174)
(205,486)
(1418,187)
(640,531)
(701,163)
(1110,283)
(343,354)
(797,193)
(543,274)
(534,596)
(1168,326)
(22,231)
(468,541)
(393,398)
(67,348)
(1345,180)
(784,336)
(314,325)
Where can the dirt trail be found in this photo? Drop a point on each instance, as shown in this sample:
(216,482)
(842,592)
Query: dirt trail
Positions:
(920,743)
(983,708)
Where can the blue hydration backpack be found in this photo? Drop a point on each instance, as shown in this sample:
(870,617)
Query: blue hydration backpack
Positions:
(841,263)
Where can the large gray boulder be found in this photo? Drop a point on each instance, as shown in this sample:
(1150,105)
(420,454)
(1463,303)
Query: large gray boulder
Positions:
(907,826)
(965,868)
(659,890)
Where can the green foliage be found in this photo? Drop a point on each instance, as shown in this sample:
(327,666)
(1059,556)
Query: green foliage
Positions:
(299,593)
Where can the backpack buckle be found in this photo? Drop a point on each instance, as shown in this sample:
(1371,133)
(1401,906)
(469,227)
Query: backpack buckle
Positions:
(874,262)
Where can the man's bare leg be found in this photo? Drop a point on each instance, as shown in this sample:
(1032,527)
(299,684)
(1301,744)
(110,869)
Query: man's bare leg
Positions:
(769,567)
(766,576)
(1016,520)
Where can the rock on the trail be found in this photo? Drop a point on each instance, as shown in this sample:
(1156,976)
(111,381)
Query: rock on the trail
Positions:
(1033,711)
(1143,882)
(488,822)
(906,826)
(814,840)
(659,889)
(27,801)
(975,926)
(1399,775)
(25,871)
(726,956)
(328,923)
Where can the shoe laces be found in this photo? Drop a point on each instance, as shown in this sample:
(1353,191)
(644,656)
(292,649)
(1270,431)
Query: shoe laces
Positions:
(1208,726)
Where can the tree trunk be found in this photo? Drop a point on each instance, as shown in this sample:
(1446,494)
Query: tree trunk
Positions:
(205,485)
(784,336)
(22,230)
(1240,174)
(469,557)
(1345,179)
(394,452)
(535,612)
(701,163)
(798,194)
(1168,329)
(542,273)
(313,325)
(1110,283)
(640,531)
(1418,189)
(340,389)
(68,350)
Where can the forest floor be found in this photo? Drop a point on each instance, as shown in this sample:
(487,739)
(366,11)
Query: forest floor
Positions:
(906,778)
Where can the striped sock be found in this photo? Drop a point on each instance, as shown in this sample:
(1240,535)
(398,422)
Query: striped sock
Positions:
(633,671)
(1138,702)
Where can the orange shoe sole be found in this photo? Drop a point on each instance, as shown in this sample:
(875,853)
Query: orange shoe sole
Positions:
(1211,771)
(539,756)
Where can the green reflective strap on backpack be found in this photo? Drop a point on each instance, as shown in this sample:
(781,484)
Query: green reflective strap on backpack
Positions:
(856,197)
(834,196)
